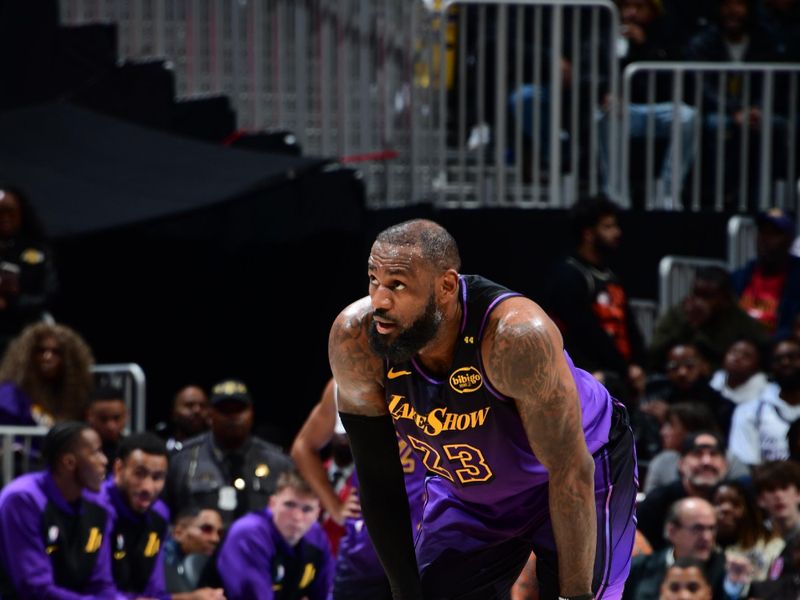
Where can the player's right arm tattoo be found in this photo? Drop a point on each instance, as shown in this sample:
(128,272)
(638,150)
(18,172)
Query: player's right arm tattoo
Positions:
(356,369)
(524,360)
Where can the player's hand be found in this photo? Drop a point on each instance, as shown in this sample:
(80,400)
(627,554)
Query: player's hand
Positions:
(349,509)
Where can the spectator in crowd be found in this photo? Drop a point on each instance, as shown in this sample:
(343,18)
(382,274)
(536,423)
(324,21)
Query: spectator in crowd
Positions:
(686,579)
(769,285)
(760,427)
(786,585)
(708,317)
(702,467)
(687,381)
(189,417)
(196,534)
(54,539)
(777,485)
(741,377)
(691,525)
(735,37)
(139,519)
(107,414)
(27,275)
(529,104)
(645,37)
(46,376)
(681,420)
(226,468)
(588,302)
(281,551)
(741,530)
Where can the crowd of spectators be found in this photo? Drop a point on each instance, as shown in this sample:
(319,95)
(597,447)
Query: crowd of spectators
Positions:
(206,510)
(203,509)
(717,116)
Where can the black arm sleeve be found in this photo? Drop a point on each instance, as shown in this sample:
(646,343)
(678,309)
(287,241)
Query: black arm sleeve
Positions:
(384,502)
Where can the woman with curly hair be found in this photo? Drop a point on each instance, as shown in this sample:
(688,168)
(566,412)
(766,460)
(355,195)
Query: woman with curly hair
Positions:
(45,376)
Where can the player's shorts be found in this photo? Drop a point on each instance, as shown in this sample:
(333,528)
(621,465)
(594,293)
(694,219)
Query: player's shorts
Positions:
(476,553)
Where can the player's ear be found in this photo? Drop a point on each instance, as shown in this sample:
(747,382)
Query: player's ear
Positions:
(448,284)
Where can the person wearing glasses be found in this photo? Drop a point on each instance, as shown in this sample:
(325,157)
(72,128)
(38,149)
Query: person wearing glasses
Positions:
(280,552)
(691,530)
(702,467)
(196,535)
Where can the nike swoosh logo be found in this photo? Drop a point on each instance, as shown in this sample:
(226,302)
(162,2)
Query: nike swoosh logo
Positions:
(392,374)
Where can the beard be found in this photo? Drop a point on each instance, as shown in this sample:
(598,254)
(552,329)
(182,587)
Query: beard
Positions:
(604,249)
(410,341)
(706,479)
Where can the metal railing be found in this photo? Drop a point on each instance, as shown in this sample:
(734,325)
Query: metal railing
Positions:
(15,449)
(516,128)
(770,87)
(676,277)
(351,78)
(646,314)
(742,232)
(465,104)
(16,442)
(388,85)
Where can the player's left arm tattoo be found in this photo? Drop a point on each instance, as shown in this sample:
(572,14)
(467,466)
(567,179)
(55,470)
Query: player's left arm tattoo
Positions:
(524,359)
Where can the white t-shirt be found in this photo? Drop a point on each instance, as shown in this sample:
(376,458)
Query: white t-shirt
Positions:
(749,390)
(759,428)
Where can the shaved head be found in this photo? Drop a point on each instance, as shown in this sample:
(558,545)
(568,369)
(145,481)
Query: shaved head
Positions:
(436,245)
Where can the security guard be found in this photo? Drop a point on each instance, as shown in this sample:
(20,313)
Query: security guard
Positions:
(226,468)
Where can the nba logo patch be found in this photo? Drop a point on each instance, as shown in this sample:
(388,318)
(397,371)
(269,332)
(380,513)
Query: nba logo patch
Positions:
(52,534)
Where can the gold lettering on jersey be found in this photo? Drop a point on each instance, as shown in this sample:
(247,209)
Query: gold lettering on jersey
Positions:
(308,576)
(466,380)
(439,419)
(94,541)
(153,544)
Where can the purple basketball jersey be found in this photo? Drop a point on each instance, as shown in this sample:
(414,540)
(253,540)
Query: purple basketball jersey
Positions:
(466,432)
(485,483)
